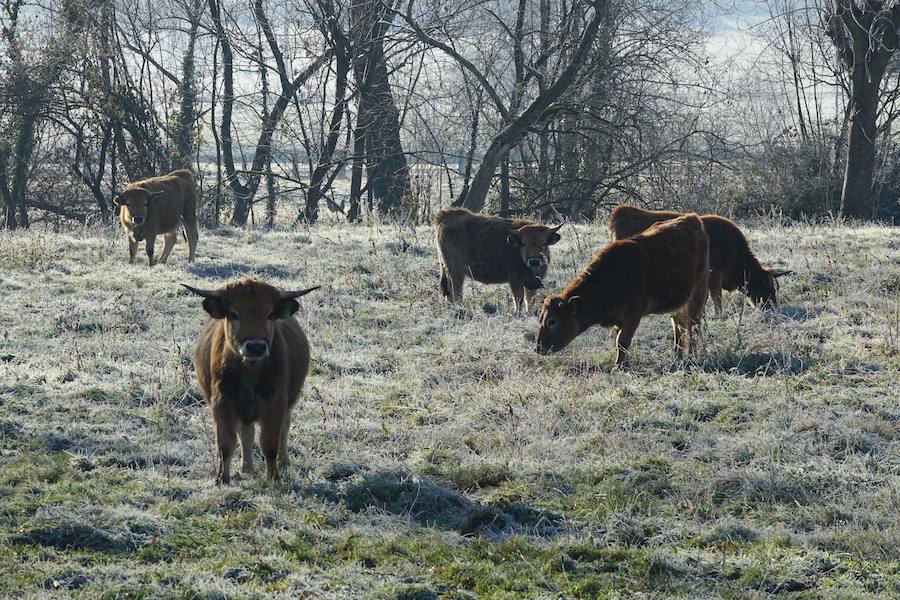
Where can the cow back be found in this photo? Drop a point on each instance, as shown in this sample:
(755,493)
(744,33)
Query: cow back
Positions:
(626,221)
(676,259)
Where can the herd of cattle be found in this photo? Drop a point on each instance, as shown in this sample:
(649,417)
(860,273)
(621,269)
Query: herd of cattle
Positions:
(252,356)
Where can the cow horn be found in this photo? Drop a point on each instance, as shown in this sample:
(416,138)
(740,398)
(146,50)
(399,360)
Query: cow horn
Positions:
(777,274)
(557,228)
(203,293)
(297,294)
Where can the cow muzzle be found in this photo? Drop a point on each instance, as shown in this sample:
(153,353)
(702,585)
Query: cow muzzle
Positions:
(254,350)
(542,349)
(536,263)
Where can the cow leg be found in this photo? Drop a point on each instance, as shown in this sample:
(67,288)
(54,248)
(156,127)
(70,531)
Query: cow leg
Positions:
(693,317)
(445,283)
(715,290)
(269,440)
(679,328)
(518,293)
(529,299)
(151,243)
(457,277)
(132,250)
(247,433)
(192,235)
(284,458)
(167,248)
(623,341)
(226,440)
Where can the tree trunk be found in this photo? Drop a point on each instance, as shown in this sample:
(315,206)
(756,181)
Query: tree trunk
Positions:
(856,195)
(386,168)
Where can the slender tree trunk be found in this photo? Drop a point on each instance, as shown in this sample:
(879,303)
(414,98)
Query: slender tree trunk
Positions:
(359,151)
(519,126)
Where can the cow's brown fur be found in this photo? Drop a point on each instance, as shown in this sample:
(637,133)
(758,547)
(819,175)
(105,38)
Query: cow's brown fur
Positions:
(492,250)
(733,265)
(243,386)
(161,206)
(663,270)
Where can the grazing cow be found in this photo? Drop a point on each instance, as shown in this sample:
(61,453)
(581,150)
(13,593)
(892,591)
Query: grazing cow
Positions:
(663,270)
(492,250)
(160,206)
(251,360)
(733,266)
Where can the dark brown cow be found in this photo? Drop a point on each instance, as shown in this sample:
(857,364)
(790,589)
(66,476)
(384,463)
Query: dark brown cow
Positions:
(663,270)
(733,266)
(492,250)
(160,206)
(251,360)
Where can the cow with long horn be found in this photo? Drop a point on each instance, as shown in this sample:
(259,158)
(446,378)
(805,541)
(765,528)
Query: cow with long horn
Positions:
(251,360)
(161,205)
(493,250)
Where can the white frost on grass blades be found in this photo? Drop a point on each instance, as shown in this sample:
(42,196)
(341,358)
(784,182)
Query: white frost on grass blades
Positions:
(423,425)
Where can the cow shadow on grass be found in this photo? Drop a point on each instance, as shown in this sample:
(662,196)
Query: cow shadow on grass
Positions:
(756,364)
(233,270)
(400,492)
(799,313)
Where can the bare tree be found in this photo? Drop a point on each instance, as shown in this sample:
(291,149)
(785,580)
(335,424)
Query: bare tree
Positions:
(865,35)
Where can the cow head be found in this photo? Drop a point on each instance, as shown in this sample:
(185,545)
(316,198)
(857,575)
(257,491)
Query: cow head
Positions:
(559,324)
(135,204)
(534,241)
(762,287)
(249,310)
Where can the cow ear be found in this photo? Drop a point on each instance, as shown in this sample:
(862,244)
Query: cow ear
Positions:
(213,303)
(513,239)
(215,307)
(119,200)
(554,235)
(574,304)
(286,308)
(154,196)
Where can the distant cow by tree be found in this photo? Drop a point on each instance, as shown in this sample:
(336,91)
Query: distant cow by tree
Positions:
(732,263)
(663,270)
(160,206)
(251,361)
(492,250)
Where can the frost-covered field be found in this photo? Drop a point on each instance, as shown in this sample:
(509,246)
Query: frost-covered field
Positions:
(434,453)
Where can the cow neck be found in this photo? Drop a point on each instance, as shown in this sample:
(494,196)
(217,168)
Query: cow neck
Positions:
(585,315)
(748,265)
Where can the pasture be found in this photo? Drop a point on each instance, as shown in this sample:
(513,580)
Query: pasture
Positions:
(434,453)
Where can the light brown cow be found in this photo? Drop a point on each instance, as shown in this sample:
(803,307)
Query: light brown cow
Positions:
(251,361)
(733,266)
(663,270)
(160,206)
(492,250)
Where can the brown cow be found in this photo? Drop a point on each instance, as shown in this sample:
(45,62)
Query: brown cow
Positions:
(733,266)
(251,360)
(663,270)
(492,250)
(160,206)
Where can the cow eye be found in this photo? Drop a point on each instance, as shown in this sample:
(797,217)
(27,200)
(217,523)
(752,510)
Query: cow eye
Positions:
(551,322)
